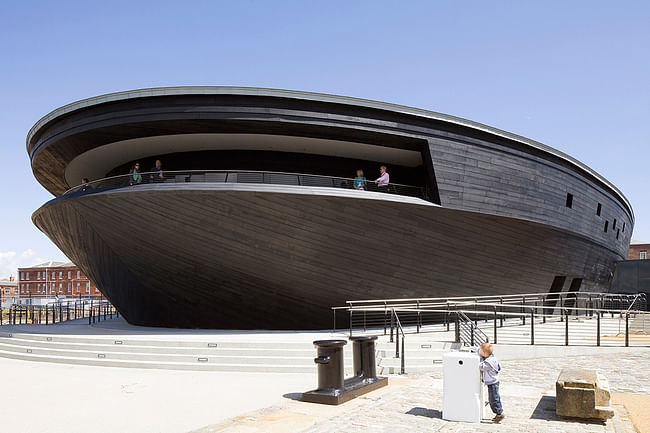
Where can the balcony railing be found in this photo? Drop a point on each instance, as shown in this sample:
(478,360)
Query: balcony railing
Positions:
(241,176)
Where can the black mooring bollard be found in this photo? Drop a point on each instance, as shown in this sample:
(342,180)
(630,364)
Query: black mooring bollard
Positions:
(332,388)
(363,357)
(330,364)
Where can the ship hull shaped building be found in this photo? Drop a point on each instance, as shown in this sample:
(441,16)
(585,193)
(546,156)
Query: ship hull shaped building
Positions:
(238,236)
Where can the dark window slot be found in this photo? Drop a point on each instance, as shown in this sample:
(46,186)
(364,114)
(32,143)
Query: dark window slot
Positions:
(569,199)
(598,209)
(614,224)
(606,225)
(623,226)
(618,232)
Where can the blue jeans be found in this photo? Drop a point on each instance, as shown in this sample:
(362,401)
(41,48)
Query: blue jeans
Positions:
(495,398)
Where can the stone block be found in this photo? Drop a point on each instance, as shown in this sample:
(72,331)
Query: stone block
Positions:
(582,393)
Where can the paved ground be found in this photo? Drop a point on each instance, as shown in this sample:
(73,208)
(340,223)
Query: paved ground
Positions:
(413,404)
(40,397)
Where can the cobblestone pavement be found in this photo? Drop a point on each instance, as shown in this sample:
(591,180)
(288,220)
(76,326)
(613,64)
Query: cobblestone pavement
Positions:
(414,405)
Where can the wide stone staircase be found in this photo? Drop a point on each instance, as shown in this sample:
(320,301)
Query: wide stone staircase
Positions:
(251,353)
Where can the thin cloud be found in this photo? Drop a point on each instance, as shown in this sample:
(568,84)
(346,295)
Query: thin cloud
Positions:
(10,261)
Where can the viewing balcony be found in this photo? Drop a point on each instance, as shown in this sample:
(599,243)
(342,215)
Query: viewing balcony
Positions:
(242,177)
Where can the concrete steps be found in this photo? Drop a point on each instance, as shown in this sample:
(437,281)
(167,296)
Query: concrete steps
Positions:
(176,354)
(284,354)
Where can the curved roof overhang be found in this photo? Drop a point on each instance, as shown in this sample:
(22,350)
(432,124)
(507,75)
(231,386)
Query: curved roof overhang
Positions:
(54,115)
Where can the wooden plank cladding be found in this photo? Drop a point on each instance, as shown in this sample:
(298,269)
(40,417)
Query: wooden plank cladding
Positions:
(504,214)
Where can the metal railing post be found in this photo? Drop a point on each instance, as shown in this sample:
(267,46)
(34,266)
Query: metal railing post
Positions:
(457,329)
(402,362)
(447,316)
(501,308)
(351,311)
(471,338)
(627,329)
(392,324)
(364,320)
(523,310)
(566,328)
(385,319)
(597,329)
(532,327)
(417,324)
(495,324)
(396,342)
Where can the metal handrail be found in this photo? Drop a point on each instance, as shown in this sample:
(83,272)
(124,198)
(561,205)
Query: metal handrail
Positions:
(461,330)
(398,329)
(508,296)
(231,176)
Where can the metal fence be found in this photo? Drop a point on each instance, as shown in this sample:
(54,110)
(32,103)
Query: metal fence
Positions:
(570,318)
(56,312)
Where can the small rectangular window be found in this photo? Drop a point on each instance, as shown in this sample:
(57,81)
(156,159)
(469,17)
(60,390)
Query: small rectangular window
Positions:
(614,224)
(606,225)
(598,209)
(618,232)
(642,255)
(623,226)
(569,199)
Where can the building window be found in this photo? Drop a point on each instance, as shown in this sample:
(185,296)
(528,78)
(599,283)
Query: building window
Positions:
(38,275)
(7,291)
(606,225)
(569,200)
(60,275)
(623,226)
(642,255)
(53,275)
(20,275)
(16,290)
(27,276)
(598,209)
(618,232)
(614,224)
(78,273)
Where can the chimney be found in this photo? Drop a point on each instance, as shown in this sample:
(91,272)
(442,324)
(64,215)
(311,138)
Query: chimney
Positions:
(11,278)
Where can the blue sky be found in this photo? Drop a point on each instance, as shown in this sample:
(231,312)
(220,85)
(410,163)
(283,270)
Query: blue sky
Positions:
(574,75)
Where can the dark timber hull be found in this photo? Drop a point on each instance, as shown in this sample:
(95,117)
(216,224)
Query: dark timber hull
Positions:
(268,257)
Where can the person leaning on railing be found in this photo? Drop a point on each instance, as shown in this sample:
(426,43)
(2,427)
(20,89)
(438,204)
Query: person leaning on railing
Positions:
(156,172)
(360,181)
(85,185)
(134,175)
(383,180)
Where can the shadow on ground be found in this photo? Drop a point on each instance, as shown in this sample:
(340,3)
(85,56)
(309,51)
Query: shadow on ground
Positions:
(293,395)
(422,411)
(545,410)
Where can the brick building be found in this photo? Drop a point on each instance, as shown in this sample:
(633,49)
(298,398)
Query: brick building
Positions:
(638,251)
(8,290)
(55,279)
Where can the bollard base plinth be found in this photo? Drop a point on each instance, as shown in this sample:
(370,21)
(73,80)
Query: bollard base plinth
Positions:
(352,388)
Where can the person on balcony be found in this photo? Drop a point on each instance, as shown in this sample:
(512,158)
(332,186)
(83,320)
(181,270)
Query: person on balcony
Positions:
(383,180)
(85,185)
(135,176)
(360,181)
(157,173)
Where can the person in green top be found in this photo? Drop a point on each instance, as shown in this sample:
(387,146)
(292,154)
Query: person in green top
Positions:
(135,176)
(360,181)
